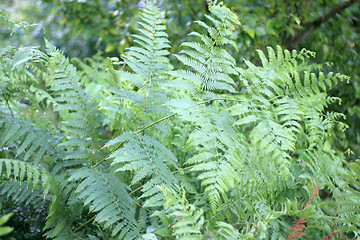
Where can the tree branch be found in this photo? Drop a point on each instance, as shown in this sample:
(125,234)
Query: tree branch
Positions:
(311,26)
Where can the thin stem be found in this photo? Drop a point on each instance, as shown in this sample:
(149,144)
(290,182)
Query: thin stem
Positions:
(92,152)
(276,97)
(136,132)
(135,190)
(108,155)
(169,116)
(83,225)
(226,99)
(8,105)
(311,26)
(143,207)
(268,10)
(243,223)
(186,168)
(156,122)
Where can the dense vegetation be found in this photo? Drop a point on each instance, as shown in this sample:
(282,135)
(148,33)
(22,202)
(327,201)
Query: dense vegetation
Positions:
(190,145)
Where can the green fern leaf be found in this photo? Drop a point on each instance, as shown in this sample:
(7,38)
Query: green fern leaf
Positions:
(187,218)
(282,103)
(146,158)
(58,222)
(211,65)
(31,141)
(219,156)
(149,61)
(79,114)
(108,197)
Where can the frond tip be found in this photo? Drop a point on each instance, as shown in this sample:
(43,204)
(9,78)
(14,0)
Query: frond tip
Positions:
(211,64)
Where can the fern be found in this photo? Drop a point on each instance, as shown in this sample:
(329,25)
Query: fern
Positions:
(148,160)
(107,197)
(28,140)
(22,195)
(217,144)
(227,231)
(218,160)
(80,116)
(187,219)
(134,149)
(58,222)
(148,62)
(210,64)
(296,229)
(279,102)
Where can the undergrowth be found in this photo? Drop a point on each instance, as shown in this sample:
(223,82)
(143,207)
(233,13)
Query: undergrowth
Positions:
(196,147)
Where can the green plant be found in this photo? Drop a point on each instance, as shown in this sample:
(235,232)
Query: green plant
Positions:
(3,220)
(196,149)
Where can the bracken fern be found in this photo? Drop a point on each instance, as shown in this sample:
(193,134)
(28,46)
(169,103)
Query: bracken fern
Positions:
(137,148)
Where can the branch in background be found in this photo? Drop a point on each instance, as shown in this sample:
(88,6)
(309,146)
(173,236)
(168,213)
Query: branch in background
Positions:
(311,26)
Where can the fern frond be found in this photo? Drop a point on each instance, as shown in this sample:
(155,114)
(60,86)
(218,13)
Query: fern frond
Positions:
(29,140)
(219,156)
(148,160)
(19,68)
(58,222)
(79,114)
(144,77)
(108,197)
(187,218)
(210,64)
(297,229)
(18,58)
(21,194)
(344,212)
(283,103)
(148,61)
(226,231)
(279,75)
(19,169)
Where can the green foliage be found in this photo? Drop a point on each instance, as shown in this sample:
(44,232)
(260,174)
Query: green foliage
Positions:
(108,197)
(3,220)
(211,63)
(35,142)
(145,158)
(57,219)
(202,149)
(185,219)
(281,104)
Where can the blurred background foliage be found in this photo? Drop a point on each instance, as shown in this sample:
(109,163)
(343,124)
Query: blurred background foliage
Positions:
(83,28)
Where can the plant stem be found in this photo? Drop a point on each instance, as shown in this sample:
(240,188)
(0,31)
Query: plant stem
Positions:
(156,122)
(7,103)
(108,155)
(137,132)
(227,99)
(83,225)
